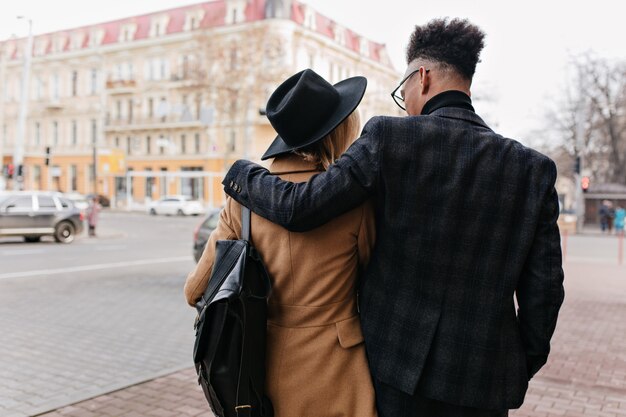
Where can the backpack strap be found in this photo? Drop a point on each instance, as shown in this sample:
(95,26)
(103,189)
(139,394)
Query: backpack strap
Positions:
(245,223)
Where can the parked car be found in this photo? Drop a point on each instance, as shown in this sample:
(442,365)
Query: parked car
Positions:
(36,214)
(203,231)
(176,204)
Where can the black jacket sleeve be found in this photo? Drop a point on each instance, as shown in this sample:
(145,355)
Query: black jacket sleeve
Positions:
(540,290)
(304,206)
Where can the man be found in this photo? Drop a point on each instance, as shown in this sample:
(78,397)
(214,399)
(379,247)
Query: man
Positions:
(466,222)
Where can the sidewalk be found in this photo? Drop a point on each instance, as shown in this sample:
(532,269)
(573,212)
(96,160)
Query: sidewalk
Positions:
(585,376)
(174,395)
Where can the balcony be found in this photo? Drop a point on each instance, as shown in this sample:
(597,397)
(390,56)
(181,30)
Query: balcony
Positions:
(53,104)
(120,86)
(151,123)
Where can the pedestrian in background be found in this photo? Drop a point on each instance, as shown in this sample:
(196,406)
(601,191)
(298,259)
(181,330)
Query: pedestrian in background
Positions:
(611,216)
(604,216)
(92,215)
(620,214)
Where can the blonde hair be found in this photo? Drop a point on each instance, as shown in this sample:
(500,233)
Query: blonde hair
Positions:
(326,151)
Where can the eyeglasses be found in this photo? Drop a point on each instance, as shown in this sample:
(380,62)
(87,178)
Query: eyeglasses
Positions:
(399,98)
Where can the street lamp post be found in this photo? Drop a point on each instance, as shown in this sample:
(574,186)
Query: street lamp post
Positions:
(3,86)
(18,154)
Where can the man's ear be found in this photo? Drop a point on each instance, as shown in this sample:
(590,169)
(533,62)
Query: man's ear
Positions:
(424,80)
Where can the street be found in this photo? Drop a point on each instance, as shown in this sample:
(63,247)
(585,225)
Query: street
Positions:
(100,327)
(96,315)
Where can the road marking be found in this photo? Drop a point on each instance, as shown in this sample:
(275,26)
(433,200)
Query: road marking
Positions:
(94,267)
(21,252)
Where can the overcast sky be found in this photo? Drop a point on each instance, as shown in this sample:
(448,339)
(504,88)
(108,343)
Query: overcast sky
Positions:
(523,65)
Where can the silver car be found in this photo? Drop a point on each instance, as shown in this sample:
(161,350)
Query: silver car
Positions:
(36,214)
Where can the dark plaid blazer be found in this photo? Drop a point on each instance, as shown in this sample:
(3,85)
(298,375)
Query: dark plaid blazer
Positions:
(466,221)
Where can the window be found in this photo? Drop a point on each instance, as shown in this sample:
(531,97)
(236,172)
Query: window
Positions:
(54,87)
(232,141)
(149,184)
(96,36)
(74,83)
(184,67)
(183,144)
(117,142)
(236,11)
(37,177)
(198,106)
(163,69)
(364,47)
(158,25)
(128,150)
(55,133)
(197,143)
(94,81)
(46,203)
(127,33)
(20,205)
(163,180)
(91,174)
(193,19)
(148,145)
(340,34)
(233,58)
(118,107)
(37,134)
(38,88)
(77,40)
(130,110)
(74,133)
(73,178)
(310,18)
(150,108)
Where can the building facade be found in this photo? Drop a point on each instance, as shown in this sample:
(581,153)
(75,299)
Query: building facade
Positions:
(163,103)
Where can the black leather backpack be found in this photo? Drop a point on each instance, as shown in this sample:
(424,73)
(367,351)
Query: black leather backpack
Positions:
(229,351)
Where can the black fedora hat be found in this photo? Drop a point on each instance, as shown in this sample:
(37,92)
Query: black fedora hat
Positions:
(305,108)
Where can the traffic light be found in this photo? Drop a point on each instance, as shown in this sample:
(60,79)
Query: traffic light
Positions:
(584,183)
(577,165)
(47,156)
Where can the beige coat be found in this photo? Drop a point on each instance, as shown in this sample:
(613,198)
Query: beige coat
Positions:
(316,363)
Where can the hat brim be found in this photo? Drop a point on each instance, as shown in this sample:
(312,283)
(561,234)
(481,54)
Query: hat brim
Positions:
(351,91)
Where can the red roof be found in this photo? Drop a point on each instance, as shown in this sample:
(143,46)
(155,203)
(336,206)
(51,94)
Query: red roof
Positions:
(214,15)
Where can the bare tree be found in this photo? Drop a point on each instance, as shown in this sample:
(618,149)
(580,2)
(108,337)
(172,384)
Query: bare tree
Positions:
(589,119)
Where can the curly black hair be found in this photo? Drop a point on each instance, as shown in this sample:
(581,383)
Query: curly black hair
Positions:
(457,43)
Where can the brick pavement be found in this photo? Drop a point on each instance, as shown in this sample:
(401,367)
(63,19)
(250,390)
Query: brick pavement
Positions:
(65,339)
(174,395)
(585,376)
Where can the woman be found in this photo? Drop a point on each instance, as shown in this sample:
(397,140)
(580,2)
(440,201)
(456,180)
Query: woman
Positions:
(620,215)
(92,215)
(316,363)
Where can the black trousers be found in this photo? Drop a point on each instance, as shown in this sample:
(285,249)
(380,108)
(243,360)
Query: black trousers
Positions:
(391,402)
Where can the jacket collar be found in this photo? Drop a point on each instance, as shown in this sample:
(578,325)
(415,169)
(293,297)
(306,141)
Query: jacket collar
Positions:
(462,114)
(291,164)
